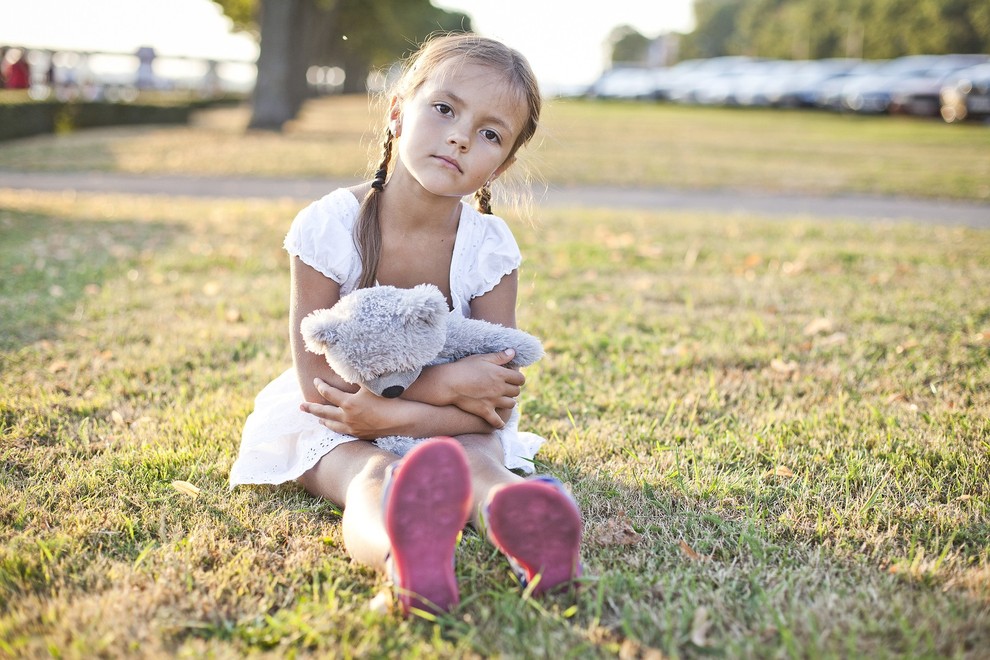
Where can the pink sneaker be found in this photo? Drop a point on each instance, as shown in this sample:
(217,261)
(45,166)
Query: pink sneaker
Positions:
(537,525)
(427,503)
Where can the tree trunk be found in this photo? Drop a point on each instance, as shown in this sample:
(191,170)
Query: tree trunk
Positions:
(281,64)
(356,69)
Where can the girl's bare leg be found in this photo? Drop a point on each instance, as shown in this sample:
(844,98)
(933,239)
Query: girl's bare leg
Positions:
(354,479)
(487,462)
(413,535)
(534,522)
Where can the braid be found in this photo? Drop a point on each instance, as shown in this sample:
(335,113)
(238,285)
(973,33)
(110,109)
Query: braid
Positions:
(382,172)
(367,229)
(483,198)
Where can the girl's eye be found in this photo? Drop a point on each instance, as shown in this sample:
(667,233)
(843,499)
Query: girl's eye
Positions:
(492,136)
(443,108)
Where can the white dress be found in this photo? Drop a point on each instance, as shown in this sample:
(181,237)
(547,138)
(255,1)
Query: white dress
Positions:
(280,442)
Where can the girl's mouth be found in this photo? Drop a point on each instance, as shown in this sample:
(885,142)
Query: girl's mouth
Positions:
(450,162)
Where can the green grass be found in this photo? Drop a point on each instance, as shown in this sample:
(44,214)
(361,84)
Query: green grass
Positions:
(632,144)
(778,433)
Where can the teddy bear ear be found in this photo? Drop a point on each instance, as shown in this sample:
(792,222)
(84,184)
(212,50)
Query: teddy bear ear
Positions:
(423,304)
(319,331)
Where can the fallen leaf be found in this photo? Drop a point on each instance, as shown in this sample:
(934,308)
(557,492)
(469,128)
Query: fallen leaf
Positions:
(818,326)
(186,488)
(381,603)
(688,550)
(834,339)
(633,650)
(616,531)
(700,625)
(783,366)
(906,346)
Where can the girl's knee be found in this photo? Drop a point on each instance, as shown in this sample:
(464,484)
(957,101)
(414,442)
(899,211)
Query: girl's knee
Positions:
(485,445)
(344,465)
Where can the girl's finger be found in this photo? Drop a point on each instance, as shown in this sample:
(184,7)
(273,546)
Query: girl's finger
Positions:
(327,391)
(327,413)
(506,402)
(493,419)
(515,378)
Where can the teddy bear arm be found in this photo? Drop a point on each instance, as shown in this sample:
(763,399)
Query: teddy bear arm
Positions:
(473,336)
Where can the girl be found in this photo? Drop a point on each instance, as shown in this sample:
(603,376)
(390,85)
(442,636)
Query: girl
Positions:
(462,108)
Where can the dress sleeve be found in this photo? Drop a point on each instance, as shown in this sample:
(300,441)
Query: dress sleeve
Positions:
(321,235)
(493,253)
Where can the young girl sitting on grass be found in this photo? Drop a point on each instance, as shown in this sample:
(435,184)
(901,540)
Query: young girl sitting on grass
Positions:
(462,108)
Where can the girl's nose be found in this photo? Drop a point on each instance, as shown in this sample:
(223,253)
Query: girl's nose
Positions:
(458,139)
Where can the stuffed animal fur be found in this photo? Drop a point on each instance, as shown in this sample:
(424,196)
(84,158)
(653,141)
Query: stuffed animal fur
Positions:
(381,338)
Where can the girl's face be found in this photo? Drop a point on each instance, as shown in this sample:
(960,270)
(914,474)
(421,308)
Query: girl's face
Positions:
(457,131)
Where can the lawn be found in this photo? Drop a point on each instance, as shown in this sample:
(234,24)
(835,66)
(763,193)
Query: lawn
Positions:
(627,144)
(778,431)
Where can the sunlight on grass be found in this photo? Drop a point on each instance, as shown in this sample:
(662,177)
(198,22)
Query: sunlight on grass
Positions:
(777,432)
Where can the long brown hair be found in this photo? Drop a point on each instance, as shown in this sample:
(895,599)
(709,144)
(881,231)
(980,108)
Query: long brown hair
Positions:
(431,56)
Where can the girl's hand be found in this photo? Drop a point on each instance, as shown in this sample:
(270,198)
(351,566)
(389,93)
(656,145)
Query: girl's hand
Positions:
(361,414)
(482,386)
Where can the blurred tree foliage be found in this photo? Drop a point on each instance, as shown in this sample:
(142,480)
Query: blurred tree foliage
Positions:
(243,13)
(628,45)
(355,35)
(874,29)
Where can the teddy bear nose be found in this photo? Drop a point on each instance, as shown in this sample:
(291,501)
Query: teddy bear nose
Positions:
(393,391)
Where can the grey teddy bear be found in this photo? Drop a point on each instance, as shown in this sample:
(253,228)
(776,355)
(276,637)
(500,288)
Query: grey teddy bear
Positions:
(381,338)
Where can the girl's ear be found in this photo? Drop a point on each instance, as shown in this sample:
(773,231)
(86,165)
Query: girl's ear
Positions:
(395,116)
(501,168)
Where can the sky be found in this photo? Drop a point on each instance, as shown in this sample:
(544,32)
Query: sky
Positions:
(563,42)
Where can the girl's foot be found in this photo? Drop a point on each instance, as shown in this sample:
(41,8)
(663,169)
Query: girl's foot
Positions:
(537,525)
(427,503)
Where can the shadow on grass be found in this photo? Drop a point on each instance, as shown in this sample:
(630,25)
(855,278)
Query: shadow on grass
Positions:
(51,264)
(670,573)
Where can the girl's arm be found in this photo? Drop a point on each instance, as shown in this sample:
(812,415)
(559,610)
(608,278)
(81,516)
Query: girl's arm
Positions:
(478,384)
(310,290)
(344,407)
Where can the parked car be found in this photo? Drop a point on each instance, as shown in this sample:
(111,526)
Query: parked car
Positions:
(754,84)
(701,84)
(874,94)
(829,94)
(800,86)
(920,95)
(870,94)
(674,76)
(626,83)
(966,95)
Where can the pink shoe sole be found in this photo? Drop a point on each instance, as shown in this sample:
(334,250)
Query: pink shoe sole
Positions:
(427,503)
(537,525)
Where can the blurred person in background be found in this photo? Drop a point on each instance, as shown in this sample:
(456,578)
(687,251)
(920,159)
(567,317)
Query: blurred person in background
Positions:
(14,69)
